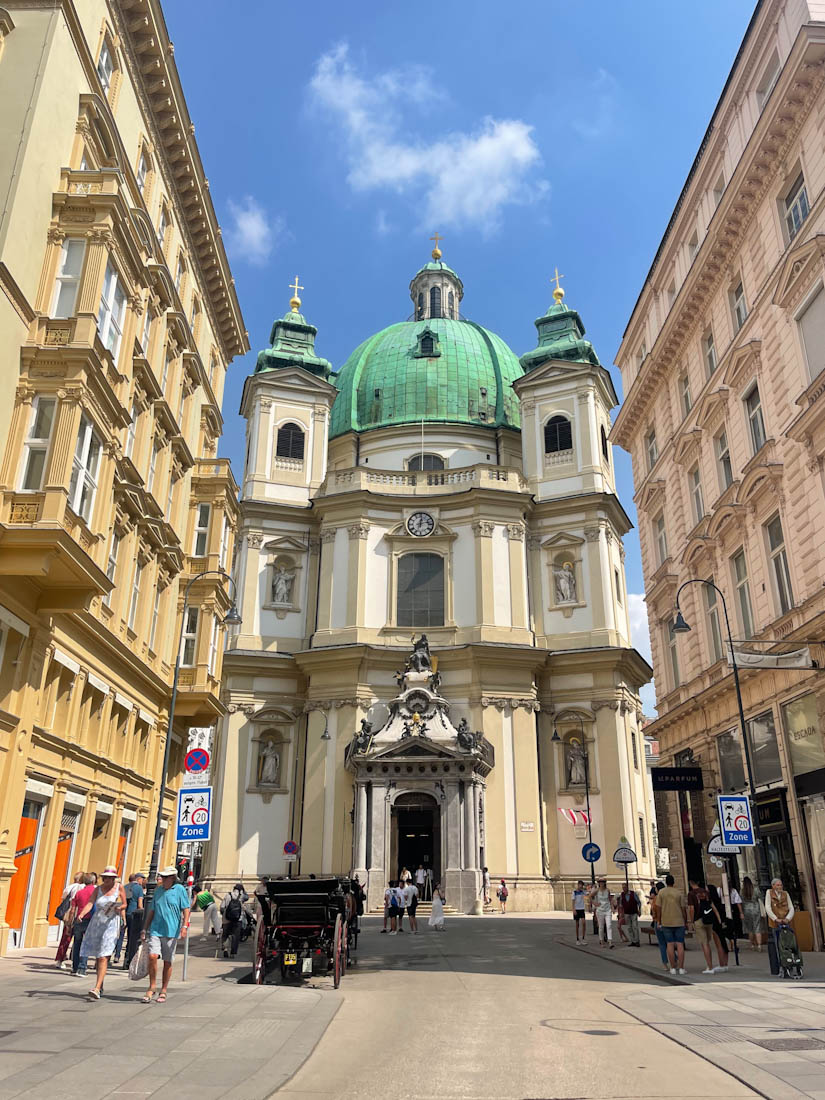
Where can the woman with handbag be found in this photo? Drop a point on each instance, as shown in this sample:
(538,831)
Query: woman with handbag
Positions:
(109,901)
(66,912)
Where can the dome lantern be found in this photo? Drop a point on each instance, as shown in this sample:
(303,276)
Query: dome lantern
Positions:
(436,290)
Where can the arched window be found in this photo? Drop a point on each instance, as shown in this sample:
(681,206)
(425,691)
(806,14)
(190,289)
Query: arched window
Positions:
(290,442)
(605,451)
(420,306)
(435,301)
(427,346)
(451,304)
(426,462)
(558,435)
(420,590)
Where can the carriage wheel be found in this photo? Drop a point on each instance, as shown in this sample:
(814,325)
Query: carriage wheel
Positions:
(339,950)
(259,973)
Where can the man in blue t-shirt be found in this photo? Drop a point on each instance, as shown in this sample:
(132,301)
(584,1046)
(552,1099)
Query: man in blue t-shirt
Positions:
(167,919)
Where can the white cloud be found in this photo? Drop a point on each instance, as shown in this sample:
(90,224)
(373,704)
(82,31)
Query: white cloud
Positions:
(252,234)
(640,637)
(599,121)
(459,178)
(383,226)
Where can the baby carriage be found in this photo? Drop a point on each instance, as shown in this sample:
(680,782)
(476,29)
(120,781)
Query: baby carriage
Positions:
(790,957)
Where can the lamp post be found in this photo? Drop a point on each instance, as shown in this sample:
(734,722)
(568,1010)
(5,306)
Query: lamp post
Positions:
(682,627)
(232,618)
(558,741)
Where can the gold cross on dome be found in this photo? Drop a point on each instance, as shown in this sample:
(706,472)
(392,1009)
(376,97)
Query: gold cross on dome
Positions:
(558,293)
(294,287)
(295,301)
(436,251)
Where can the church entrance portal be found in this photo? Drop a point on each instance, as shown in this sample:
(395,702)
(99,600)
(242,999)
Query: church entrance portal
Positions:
(416,834)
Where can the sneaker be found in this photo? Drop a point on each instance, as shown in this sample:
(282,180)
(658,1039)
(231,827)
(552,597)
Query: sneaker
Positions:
(226,954)
(681,970)
(393,933)
(709,970)
(720,970)
(383,931)
(610,945)
(673,970)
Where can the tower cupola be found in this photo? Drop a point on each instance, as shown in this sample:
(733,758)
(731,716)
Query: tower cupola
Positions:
(436,290)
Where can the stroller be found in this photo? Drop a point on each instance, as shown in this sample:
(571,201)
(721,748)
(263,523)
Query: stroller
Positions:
(790,957)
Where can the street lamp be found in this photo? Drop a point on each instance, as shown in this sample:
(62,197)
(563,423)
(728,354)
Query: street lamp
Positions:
(558,741)
(680,626)
(325,735)
(232,618)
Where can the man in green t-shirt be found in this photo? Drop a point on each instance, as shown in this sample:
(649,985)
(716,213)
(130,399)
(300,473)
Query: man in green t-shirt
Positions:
(672,916)
(207,903)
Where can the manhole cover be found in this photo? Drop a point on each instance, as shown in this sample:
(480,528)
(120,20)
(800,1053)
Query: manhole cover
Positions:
(713,1034)
(789,1044)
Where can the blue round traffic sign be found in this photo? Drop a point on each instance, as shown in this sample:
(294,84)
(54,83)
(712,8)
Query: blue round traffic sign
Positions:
(592,853)
(290,848)
(197,760)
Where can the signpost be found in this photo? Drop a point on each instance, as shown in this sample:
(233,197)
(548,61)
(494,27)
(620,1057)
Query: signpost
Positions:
(592,852)
(196,760)
(291,852)
(736,821)
(717,847)
(193,821)
(624,854)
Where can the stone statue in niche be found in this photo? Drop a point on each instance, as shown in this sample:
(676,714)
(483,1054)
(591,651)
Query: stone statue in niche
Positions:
(269,764)
(565,578)
(576,765)
(282,581)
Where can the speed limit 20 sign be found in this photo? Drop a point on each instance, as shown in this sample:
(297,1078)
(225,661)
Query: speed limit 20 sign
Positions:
(735,819)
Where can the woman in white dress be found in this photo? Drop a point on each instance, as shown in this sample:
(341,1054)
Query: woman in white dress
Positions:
(109,902)
(437,916)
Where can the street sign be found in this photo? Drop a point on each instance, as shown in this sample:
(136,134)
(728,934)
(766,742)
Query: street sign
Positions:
(196,760)
(194,816)
(290,857)
(290,848)
(716,847)
(592,853)
(624,854)
(735,819)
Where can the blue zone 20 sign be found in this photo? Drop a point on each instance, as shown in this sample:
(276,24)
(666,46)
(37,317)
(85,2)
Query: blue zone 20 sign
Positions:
(194,820)
(735,820)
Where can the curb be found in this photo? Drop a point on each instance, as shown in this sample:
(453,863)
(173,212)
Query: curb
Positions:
(666,979)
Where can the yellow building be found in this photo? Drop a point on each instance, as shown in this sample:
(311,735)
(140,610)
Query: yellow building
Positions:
(118,319)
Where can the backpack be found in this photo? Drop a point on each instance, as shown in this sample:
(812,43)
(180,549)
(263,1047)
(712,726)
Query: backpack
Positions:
(233,909)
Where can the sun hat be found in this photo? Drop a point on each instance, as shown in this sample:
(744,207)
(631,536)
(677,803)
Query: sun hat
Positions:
(164,872)
(109,872)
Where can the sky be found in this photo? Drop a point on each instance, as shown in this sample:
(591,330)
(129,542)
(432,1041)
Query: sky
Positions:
(338,138)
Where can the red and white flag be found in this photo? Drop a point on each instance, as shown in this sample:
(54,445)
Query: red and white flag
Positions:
(576,817)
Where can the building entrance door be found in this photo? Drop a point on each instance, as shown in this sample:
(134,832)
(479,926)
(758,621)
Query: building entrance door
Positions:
(416,835)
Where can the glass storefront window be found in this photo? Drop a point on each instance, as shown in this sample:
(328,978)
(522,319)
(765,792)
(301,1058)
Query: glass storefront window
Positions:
(764,749)
(804,737)
(731,761)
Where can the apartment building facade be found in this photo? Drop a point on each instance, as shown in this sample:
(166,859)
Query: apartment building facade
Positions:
(118,319)
(724,417)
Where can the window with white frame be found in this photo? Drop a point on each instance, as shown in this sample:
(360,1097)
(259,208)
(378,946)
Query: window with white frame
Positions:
(738,306)
(723,462)
(660,535)
(697,499)
(709,352)
(190,636)
(153,629)
(712,619)
(67,280)
(672,646)
(618,582)
(131,431)
(153,464)
(770,75)
(224,543)
(170,499)
(85,468)
(642,837)
(36,447)
(144,332)
(112,310)
(743,593)
(213,646)
(163,225)
(142,171)
(719,189)
(201,530)
(652,449)
(685,394)
(105,66)
(164,378)
(135,597)
(796,206)
(179,274)
(811,323)
(671,295)
(756,422)
(779,564)
(641,354)
(111,566)
(693,245)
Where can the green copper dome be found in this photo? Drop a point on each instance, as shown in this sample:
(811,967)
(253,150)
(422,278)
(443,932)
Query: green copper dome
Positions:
(436,369)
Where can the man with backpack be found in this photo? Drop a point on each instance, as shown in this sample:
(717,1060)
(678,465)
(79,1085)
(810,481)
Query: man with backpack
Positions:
(629,907)
(232,910)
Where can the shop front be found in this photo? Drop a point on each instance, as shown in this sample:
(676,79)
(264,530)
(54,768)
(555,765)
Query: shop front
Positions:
(806,752)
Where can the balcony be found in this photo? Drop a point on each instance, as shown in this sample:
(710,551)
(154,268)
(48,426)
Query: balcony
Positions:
(425,483)
(198,696)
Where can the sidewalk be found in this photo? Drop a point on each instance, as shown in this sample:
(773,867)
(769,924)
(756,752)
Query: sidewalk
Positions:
(212,1039)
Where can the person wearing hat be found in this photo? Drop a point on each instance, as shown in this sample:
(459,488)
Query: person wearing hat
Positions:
(167,919)
(108,902)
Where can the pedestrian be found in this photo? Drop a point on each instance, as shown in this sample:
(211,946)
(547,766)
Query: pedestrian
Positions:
(360,900)
(207,903)
(166,920)
(411,903)
(135,904)
(404,878)
(437,916)
(737,914)
(579,917)
(630,907)
(132,889)
(753,914)
(673,910)
(701,917)
(387,904)
(232,910)
(400,887)
(420,878)
(391,898)
(656,921)
(486,885)
(69,893)
(620,920)
(605,906)
(100,938)
(718,929)
(79,925)
(502,893)
(779,907)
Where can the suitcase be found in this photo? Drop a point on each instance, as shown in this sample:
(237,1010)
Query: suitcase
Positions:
(790,957)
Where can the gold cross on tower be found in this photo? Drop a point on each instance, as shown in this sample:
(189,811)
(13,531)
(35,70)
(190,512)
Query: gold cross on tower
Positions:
(436,250)
(558,293)
(295,301)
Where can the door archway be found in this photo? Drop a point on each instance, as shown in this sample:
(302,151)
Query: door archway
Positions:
(415,834)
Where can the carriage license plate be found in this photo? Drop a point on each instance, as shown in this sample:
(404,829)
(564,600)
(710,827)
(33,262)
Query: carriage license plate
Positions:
(307,966)
(290,959)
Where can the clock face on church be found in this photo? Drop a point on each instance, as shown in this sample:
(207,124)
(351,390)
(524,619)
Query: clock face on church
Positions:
(421,524)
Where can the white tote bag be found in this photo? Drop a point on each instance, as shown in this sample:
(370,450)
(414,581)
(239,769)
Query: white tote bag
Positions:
(139,966)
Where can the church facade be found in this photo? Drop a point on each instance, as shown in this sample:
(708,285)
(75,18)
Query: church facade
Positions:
(435,664)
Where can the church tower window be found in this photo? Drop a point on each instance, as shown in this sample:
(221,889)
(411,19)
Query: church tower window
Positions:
(451,305)
(420,312)
(420,590)
(426,462)
(290,442)
(558,435)
(435,301)
(605,451)
(426,345)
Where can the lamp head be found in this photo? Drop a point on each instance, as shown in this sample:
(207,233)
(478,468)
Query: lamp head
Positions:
(555,738)
(679,624)
(232,617)
(325,736)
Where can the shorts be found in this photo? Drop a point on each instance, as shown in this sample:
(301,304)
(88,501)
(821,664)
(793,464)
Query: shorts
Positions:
(163,946)
(392,912)
(411,908)
(400,910)
(702,932)
(673,934)
(579,914)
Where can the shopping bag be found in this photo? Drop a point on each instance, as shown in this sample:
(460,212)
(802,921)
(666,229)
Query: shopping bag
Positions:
(139,966)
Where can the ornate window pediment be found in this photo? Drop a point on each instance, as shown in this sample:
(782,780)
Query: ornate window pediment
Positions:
(687,443)
(561,540)
(710,406)
(652,495)
(743,363)
(427,344)
(802,266)
(727,513)
(274,715)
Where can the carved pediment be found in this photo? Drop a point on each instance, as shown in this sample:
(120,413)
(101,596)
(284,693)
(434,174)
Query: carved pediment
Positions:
(743,363)
(286,544)
(687,444)
(711,405)
(652,494)
(560,540)
(802,266)
(722,517)
(416,748)
(276,716)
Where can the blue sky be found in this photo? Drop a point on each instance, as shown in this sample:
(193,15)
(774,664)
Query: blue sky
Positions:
(338,138)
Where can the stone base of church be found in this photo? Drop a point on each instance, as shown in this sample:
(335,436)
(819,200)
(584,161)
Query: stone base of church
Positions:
(461,888)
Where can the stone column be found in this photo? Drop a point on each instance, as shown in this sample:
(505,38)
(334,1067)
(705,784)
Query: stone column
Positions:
(377,877)
(470,847)
(361,827)
(453,827)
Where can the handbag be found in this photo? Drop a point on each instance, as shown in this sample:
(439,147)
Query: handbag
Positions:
(139,966)
(63,908)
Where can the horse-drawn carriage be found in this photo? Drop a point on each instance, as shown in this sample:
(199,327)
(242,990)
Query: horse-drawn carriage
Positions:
(308,926)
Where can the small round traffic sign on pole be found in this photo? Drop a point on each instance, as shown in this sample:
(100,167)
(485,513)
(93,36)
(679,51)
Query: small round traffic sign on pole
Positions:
(290,848)
(592,853)
(196,760)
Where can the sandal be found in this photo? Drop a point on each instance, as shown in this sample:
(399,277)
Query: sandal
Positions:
(94,995)
(147,999)
(161,998)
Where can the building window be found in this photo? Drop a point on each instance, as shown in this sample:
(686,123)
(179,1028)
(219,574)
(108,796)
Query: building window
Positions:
(712,616)
(179,274)
(558,435)
(635,749)
(451,304)
(767,81)
(753,406)
(426,345)
(224,543)
(112,310)
(142,171)
(671,295)
(618,582)
(163,225)
(190,636)
(420,590)
(153,630)
(420,310)
(213,647)
(290,442)
(153,465)
(812,330)
(85,466)
(36,447)
(764,749)
(652,448)
(68,278)
(170,500)
(684,390)
(693,245)
(696,494)
(673,655)
(111,565)
(661,538)
(723,460)
(779,560)
(105,66)
(743,593)
(435,301)
(796,206)
(642,838)
(131,431)
(719,189)
(738,306)
(133,602)
(426,462)
(731,765)
(201,530)
(605,451)
(709,352)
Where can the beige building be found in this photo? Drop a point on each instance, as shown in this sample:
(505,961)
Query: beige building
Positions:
(118,318)
(435,485)
(724,418)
